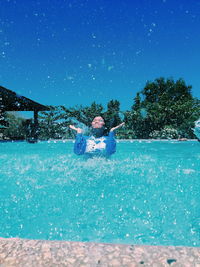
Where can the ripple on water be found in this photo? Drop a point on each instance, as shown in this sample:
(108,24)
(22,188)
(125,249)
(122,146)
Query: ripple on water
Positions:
(140,195)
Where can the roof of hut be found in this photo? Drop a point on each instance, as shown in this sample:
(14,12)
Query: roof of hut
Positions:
(11,101)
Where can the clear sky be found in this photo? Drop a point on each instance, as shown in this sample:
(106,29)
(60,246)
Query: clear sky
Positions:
(69,52)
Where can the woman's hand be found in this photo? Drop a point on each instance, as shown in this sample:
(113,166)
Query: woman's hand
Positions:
(78,130)
(116,127)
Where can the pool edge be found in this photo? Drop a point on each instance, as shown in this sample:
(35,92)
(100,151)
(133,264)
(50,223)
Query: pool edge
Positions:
(25,252)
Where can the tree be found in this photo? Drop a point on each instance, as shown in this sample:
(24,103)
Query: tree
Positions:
(135,119)
(169,103)
(15,130)
(82,114)
(112,115)
(163,109)
(51,124)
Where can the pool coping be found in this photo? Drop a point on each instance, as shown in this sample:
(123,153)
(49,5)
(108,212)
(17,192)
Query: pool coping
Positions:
(17,252)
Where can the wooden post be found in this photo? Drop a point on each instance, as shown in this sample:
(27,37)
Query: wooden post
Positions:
(1,110)
(3,122)
(35,125)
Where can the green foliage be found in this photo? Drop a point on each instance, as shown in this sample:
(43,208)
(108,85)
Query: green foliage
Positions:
(15,131)
(51,124)
(166,133)
(168,103)
(163,109)
(111,116)
(85,114)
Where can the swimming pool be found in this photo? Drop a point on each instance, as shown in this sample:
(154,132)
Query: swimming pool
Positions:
(147,193)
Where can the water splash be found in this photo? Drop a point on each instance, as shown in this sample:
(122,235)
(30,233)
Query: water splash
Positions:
(143,113)
(138,196)
(121,116)
(77,123)
(196,129)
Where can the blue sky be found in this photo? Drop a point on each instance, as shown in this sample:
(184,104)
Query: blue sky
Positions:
(62,52)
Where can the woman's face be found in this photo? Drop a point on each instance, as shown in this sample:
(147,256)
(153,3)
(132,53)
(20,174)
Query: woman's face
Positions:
(98,122)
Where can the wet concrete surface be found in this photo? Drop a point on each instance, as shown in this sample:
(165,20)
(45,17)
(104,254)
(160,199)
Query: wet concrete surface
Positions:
(16,252)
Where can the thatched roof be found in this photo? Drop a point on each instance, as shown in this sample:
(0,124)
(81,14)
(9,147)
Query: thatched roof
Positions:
(10,101)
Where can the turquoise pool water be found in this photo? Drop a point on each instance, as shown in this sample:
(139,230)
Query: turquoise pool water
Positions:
(147,193)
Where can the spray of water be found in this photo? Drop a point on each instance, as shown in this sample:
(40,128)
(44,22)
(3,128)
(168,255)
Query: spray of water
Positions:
(196,129)
(121,116)
(124,199)
(77,123)
(143,113)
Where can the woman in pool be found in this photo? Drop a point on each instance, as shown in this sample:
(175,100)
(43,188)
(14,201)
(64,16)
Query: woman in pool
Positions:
(97,143)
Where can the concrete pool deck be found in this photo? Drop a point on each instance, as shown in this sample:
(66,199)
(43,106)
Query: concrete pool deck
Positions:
(16,252)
